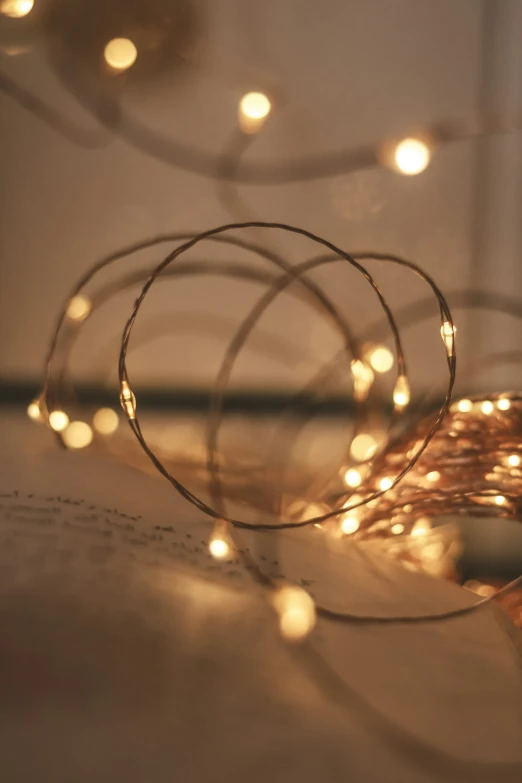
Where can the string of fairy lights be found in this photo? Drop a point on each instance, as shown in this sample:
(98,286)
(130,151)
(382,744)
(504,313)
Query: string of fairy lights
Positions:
(393,485)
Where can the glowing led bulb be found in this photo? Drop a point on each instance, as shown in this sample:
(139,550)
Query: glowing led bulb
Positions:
(421,527)
(349,524)
(120,54)
(79,307)
(219,546)
(447,332)
(296,611)
(16,9)
(380,358)
(34,410)
(433,476)
(58,420)
(464,406)
(77,435)
(105,421)
(401,393)
(500,500)
(397,529)
(352,478)
(385,483)
(504,404)
(513,460)
(487,407)
(128,400)
(363,446)
(254,108)
(363,377)
(411,156)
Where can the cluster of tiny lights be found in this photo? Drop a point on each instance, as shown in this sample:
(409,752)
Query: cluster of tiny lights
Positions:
(296,611)
(411,156)
(79,308)
(105,421)
(77,435)
(120,54)
(16,9)
(58,420)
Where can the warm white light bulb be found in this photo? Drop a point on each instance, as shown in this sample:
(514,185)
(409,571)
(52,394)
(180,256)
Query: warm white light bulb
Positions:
(504,404)
(120,54)
(487,407)
(105,421)
(77,435)
(464,406)
(352,478)
(218,548)
(385,483)
(401,393)
(381,358)
(16,9)
(363,376)
(447,332)
(397,529)
(79,307)
(34,410)
(412,156)
(500,500)
(296,610)
(349,524)
(58,420)
(128,400)
(433,475)
(255,105)
(363,446)
(513,460)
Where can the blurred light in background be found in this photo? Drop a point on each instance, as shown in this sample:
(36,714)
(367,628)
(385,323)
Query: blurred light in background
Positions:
(412,156)
(78,435)
(120,54)
(105,421)
(16,8)
(58,420)
(79,307)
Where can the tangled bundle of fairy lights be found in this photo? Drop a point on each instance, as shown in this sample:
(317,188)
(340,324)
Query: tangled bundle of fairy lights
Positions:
(463,458)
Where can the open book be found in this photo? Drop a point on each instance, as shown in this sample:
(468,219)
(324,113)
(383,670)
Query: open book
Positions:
(128,654)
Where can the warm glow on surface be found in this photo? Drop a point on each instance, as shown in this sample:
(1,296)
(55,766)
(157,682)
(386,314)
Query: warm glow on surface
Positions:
(397,529)
(128,400)
(447,332)
(421,527)
(401,393)
(385,483)
(381,358)
(363,446)
(58,420)
(296,611)
(433,475)
(120,54)
(79,307)
(513,460)
(411,156)
(105,421)
(78,435)
(16,8)
(504,404)
(33,411)
(349,524)
(487,407)
(352,477)
(464,406)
